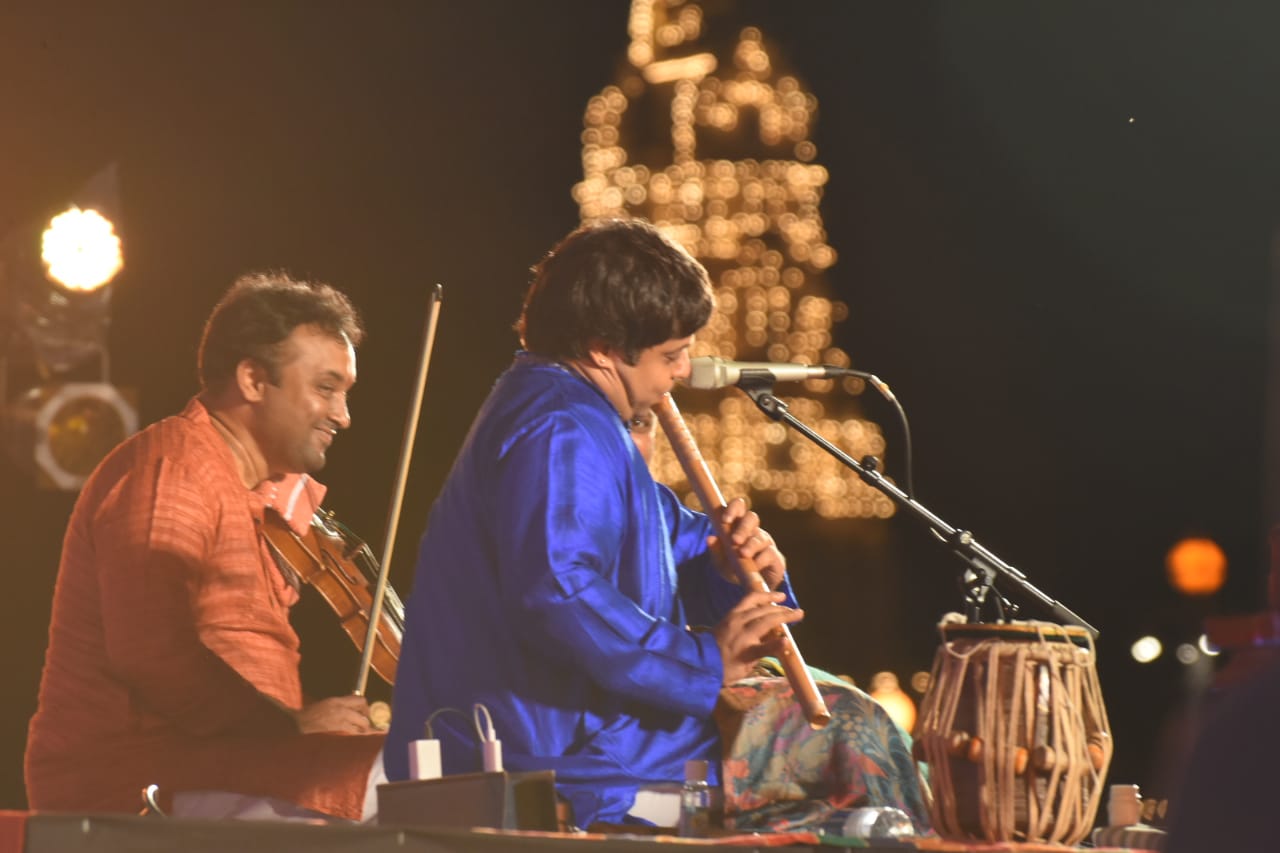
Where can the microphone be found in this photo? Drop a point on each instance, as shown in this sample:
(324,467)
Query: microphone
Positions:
(712,372)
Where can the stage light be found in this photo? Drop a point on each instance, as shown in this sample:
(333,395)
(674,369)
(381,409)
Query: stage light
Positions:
(66,430)
(80,250)
(56,275)
(1187,654)
(55,283)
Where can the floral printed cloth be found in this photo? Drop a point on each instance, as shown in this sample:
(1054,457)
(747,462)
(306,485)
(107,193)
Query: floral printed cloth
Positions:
(780,774)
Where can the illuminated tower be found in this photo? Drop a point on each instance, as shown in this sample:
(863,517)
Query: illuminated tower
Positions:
(717,153)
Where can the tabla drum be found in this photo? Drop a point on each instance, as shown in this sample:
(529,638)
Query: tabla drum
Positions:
(1014,732)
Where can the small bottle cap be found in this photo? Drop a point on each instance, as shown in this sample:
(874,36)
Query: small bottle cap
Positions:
(695,770)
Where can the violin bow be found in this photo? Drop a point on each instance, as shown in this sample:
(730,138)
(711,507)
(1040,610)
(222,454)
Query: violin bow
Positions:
(709,495)
(397,496)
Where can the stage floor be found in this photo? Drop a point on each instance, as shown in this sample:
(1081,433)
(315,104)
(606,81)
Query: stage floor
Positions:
(22,832)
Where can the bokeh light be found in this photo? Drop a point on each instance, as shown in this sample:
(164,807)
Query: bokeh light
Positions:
(1146,649)
(1207,647)
(921,680)
(886,690)
(1196,566)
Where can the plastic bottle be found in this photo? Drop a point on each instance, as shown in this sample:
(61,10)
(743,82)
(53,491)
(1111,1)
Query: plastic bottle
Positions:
(1124,816)
(870,822)
(695,801)
(1124,805)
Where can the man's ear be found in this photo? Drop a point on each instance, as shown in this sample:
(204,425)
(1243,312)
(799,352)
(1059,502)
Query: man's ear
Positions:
(251,380)
(599,353)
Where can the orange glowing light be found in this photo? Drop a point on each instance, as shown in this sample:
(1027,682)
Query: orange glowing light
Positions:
(887,692)
(1196,566)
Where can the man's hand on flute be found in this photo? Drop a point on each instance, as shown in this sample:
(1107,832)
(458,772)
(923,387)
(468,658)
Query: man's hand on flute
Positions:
(749,632)
(751,541)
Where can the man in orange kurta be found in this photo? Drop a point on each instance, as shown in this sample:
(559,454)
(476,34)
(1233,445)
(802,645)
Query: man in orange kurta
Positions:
(171,659)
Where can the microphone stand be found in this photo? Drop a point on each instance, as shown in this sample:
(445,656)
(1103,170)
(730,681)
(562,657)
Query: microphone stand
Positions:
(984,566)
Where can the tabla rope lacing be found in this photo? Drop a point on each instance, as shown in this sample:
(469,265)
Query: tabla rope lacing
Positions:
(1057,808)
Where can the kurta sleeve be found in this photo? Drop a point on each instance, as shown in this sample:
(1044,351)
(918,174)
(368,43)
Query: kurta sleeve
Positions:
(151,537)
(567,511)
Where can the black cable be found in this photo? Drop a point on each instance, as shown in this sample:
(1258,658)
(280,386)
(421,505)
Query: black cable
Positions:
(883,387)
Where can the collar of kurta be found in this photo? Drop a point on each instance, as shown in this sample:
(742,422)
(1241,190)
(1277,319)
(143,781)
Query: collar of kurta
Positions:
(526,359)
(296,497)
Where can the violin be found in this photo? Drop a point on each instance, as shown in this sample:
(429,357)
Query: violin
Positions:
(342,569)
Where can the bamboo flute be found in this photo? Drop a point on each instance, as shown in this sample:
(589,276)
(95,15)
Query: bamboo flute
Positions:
(713,502)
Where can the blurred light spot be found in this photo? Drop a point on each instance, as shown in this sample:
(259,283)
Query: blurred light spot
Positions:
(1196,566)
(1207,647)
(1146,649)
(920,681)
(895,701)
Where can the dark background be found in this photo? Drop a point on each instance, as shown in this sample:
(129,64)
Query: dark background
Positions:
(1054,227)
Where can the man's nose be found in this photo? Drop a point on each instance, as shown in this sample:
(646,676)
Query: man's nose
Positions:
(339,413)
(683,366)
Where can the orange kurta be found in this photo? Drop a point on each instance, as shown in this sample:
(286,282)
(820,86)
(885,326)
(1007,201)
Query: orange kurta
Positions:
(170,649)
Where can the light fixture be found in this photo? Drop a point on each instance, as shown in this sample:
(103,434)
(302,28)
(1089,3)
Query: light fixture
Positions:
(80,250)
(65,430)
(56,277)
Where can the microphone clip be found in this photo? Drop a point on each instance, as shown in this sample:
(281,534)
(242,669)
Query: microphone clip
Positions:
(761,393)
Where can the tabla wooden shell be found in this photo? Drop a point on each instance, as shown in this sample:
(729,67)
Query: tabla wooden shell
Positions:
(1014,732)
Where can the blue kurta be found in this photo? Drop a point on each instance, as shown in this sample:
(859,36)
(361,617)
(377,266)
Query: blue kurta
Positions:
(555,583)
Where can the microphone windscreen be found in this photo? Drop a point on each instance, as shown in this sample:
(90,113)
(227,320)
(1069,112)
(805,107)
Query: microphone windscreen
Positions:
(705,373)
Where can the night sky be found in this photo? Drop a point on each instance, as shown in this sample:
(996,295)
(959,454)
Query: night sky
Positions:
(1054,224)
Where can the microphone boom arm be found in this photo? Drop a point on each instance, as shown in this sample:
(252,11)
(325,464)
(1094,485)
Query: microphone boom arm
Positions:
(985,565)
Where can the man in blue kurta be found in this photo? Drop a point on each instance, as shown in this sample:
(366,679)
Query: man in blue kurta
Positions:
(556,584)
